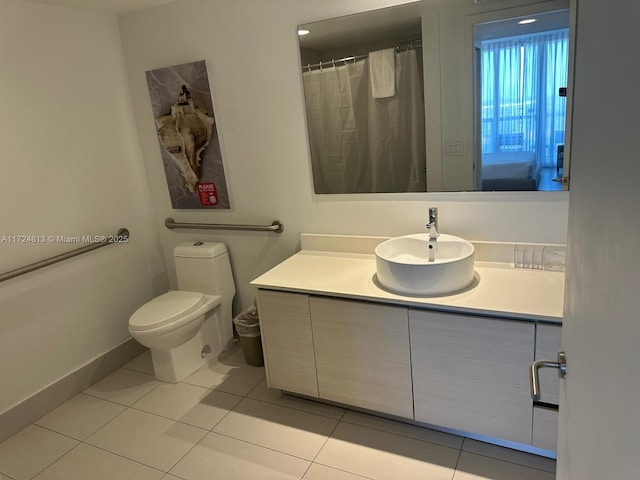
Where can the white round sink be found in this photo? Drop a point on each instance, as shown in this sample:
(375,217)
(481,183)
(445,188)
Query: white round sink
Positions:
(403,266)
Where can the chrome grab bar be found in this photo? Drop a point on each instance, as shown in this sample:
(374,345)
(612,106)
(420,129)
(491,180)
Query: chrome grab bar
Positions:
(276,226)
(534,379)
(121,237)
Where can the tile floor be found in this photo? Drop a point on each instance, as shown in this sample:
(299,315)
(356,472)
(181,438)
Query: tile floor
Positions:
(223,422)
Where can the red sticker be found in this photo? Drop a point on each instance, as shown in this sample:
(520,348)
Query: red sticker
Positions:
(208,193)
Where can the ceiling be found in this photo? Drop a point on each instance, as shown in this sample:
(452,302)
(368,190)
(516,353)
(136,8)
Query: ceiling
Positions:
(545,22)
(115,7)
(360,28)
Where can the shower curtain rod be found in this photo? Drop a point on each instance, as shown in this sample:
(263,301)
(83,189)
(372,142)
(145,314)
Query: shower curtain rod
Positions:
(407,45)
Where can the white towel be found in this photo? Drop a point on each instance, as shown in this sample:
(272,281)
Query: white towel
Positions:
(382,71)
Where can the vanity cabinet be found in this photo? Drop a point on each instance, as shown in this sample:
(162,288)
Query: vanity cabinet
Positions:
(287,341)
(470,373)
(545,417)
(362,354)
(456,371)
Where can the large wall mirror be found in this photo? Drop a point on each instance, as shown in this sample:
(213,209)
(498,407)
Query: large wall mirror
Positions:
(440,96)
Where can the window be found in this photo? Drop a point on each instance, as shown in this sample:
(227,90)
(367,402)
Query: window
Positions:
(521,109)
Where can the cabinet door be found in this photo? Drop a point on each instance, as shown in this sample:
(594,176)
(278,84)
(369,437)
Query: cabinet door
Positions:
(471,373)
(285,327)
(545,428)
(548,339)
(545,420)
(362,354)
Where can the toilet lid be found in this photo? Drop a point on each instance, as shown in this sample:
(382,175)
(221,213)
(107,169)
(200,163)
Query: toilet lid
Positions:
(165,309)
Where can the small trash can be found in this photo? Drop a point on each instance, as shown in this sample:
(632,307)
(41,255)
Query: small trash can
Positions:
(248,328)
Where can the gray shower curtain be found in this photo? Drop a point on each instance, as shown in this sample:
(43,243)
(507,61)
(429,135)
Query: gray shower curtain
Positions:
(360,144)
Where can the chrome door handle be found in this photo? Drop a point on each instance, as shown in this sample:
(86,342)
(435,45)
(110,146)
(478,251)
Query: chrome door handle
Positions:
(562,180)
(534,380)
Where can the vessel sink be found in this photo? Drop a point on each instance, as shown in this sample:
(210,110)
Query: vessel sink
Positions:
(402,265)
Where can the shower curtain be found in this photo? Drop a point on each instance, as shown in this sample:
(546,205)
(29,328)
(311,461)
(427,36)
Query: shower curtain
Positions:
(360,144)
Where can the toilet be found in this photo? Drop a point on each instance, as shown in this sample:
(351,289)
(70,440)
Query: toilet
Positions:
(183,328)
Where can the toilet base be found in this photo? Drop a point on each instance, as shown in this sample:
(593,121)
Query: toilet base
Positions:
(175,364)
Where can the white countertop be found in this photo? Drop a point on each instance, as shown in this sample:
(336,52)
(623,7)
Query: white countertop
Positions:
(499,289)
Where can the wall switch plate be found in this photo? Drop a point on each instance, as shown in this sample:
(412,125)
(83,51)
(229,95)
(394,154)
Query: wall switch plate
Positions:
(453,148)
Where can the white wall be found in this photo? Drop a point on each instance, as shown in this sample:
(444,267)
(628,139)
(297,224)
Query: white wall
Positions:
(253,61)
(71,165)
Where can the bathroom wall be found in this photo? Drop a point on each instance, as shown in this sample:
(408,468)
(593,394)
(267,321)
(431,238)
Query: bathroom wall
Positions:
(71,165)
(251,49)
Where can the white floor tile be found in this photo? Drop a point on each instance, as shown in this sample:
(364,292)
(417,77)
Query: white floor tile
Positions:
(87,462)
(509,455)
(81,416)
(231,378)
(279,428)
(267,435)
(385,456)
(219,457)
(321,472)
(123,386)
(478,467)
(154,441)
(31,450)
(197,406)
(20,416)
(404,429)
(272,395)
(142,363)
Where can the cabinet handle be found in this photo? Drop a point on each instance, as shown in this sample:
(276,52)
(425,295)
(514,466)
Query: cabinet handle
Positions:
(534,380)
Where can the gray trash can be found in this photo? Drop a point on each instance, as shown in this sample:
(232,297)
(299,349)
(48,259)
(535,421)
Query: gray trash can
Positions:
(248,328)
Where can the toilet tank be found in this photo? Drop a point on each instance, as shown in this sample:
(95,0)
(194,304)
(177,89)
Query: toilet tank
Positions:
(205,267)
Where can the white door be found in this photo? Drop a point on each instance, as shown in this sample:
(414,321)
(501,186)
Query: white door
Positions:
(599,432)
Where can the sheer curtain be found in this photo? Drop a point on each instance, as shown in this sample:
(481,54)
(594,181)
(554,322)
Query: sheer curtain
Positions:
(501,95)
(521,108)
(360,144)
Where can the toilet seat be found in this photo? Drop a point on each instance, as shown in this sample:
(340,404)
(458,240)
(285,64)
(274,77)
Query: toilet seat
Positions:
(167,309)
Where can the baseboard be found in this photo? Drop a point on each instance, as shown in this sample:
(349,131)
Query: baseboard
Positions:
(51,397)
(102,366)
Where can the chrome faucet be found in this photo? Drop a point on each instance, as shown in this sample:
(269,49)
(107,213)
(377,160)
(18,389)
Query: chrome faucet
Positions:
(433,218)
(432,226)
